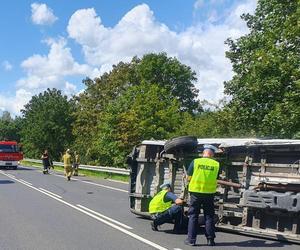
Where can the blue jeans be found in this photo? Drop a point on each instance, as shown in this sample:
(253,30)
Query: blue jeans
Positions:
(198,201)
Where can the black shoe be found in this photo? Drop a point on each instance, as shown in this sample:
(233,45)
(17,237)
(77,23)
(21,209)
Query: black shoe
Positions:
(211,242)
(187,242)
(69,178)
(154,226)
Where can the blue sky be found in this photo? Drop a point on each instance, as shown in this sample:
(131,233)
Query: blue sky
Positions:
(59,43)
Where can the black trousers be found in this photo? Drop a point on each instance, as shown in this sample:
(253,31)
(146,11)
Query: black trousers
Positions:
(174,213)
(206,202)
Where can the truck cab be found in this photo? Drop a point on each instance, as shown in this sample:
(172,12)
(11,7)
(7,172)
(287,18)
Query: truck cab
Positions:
(10,154)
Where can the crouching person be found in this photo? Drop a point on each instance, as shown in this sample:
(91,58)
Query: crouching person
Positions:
(162,210)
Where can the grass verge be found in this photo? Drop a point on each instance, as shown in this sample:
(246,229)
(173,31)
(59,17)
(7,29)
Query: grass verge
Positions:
(84,172)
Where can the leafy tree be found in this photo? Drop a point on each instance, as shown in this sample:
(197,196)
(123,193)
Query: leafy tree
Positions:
(157,69)
(9,127)
(171,75)
(47,124)
(91,103)
(265,88)
(142,112)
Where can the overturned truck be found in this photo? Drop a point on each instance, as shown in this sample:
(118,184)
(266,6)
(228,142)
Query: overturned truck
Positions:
(259,181)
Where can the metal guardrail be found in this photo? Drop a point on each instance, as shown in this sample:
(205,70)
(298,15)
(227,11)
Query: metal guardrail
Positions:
(120,171)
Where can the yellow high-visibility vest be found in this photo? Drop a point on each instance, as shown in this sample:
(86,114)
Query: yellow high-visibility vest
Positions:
(157,204)
(205,174)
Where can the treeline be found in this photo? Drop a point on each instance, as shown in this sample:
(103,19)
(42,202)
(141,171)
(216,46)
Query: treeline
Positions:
(154,97)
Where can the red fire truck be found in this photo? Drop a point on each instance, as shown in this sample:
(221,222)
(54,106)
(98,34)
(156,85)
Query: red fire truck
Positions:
(10,154)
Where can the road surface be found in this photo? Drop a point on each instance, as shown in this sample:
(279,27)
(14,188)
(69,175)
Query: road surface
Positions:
(47,212)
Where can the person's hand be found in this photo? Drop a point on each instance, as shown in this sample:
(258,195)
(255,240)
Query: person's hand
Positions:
(178,201)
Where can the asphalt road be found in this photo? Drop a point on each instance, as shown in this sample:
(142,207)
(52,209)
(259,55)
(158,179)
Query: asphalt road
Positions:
(47,212)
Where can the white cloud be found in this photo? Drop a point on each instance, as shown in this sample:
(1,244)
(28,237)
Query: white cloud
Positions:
(198,4)
(201,46)
(41,14)
(7,66)
(46,71)
(49,70)
(15,103)
(70,89)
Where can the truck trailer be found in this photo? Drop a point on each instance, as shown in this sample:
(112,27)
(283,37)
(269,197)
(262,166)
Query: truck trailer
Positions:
(258,187)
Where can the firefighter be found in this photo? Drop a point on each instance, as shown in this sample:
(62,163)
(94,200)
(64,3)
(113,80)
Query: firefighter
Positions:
(202,175)
(162,211)
(67,159)
(76,163)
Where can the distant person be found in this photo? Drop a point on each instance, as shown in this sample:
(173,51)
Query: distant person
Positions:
(47,163)
(162,210)
(67,160)
(76,163)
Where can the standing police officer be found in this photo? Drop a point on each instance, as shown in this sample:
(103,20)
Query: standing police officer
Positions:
(162,211)
(202,174)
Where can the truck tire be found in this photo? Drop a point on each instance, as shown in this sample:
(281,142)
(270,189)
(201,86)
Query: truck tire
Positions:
(182,143)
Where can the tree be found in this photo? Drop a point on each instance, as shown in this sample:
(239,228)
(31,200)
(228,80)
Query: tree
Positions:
(152,69)
(265,88)
(142,112)
(170,74)
(47,121)
(9,127)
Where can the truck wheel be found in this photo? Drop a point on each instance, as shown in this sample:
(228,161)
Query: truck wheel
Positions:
(182,143)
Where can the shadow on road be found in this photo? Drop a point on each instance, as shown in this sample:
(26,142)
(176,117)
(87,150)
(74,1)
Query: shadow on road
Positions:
(254,243)
(6,182)
(18,169)
(258,243)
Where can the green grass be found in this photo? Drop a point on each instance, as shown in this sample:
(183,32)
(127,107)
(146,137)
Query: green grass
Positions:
(84,172)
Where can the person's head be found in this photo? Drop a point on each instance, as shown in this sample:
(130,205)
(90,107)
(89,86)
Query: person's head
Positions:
(46,151)
(68,151)
(166,186)
(209,151)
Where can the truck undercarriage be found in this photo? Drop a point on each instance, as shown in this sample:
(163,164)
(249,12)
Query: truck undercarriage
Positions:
(259,183)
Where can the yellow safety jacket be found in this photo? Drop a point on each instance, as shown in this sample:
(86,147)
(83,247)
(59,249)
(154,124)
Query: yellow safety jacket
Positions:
(157,204)
(205,174)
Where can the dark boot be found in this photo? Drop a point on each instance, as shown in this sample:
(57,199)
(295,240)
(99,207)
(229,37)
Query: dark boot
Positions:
(211,242)
(163,218)
(154,226)
(189,243)
(160,219)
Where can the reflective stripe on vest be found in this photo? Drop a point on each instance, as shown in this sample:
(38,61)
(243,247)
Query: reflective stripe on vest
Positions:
(205,174)
(157,204)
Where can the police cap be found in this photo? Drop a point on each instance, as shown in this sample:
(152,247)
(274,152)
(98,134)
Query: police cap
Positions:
(166,184)
(211,147)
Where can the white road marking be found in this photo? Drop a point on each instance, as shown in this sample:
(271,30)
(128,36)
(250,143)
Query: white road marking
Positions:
(100,185)
(56,195)
(25,182)
(104,217)
(123,182)
(133,235)
(10,175)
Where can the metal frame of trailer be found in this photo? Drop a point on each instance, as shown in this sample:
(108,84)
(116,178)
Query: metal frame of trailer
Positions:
(259,191)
